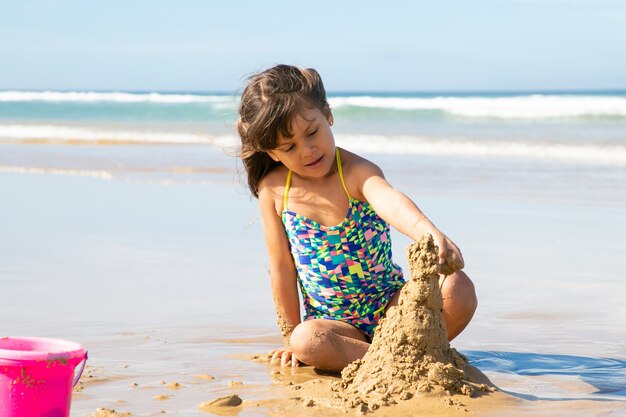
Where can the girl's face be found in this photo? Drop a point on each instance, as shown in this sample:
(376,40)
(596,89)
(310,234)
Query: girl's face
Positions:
(311,150)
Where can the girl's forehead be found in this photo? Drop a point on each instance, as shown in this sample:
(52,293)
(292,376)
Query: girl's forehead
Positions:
(305,116)
(301,121)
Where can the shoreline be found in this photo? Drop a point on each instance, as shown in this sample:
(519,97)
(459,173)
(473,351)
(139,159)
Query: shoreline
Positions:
(151,280)
(272,390)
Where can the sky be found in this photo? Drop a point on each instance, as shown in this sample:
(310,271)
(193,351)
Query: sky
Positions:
(202,45)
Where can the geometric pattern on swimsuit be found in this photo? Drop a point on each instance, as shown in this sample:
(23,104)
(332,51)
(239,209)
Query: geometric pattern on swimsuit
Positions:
(345,272)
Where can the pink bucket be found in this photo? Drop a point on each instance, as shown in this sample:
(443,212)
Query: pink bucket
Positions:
(37,376)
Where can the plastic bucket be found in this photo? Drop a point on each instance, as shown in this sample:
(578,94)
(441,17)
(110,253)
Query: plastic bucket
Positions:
(37,376)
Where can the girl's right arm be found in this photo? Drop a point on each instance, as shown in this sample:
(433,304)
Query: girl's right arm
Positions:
(282,274)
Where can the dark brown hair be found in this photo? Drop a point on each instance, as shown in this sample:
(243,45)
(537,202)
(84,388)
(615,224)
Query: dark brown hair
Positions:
(268,105)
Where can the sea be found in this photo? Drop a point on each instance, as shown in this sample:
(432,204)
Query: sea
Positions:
(126,226)
(175,136)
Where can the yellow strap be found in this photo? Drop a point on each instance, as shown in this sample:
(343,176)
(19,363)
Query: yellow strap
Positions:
(343,183)
(289,174)
(286,193)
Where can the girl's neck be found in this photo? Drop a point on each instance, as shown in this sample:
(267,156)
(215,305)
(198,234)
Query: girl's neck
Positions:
(317,180)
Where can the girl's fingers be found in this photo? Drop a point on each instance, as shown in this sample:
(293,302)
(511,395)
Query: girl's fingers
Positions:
(443,249)
(285,357)
(454,248)
(448,248)
(458,253)
(454,259)
(276,354)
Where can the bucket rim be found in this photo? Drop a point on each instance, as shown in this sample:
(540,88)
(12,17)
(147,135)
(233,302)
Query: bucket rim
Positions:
(68,350)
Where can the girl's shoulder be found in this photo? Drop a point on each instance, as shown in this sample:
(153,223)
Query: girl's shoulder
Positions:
(276,177)
(352,162)
(272,187)
(356,170)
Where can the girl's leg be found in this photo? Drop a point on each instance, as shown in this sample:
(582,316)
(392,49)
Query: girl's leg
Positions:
(328,344)
(331,345)
(459,302)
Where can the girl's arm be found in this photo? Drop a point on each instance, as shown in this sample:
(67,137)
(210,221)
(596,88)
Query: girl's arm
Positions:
(399,210)
(282,274)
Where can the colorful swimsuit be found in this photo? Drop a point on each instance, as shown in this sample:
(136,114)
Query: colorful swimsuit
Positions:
(345,272)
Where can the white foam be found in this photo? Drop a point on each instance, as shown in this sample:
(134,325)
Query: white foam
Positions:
(57,133)
(536,106)
(565,152)
(613,154)
(119,97)
(520,107)
(57,171)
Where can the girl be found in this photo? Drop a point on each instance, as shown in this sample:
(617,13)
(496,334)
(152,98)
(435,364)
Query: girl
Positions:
(341,262)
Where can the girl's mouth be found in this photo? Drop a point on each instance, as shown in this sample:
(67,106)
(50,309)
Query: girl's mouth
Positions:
(315,163)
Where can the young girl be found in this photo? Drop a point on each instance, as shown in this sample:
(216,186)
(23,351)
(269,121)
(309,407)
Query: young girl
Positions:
(341,262)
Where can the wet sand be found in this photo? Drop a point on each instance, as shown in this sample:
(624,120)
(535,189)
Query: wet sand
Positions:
(150,278)
(267,389)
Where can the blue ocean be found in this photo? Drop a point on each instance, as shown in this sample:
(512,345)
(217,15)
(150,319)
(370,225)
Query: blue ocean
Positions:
(173,136)
(578,126)
(128,228)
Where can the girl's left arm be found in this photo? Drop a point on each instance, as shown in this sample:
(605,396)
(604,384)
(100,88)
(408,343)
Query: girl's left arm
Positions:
(399,210)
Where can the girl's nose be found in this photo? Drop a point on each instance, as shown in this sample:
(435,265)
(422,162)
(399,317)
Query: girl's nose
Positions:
(309,148)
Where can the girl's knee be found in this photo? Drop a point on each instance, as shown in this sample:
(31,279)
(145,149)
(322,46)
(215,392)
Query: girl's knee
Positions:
(307,338)
(459,302)
(458,290)
(299,336)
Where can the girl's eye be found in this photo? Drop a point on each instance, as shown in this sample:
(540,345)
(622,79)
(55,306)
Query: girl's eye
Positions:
(289,148)
(313,132)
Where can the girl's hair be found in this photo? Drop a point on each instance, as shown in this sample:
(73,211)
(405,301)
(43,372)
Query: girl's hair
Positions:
(269,103)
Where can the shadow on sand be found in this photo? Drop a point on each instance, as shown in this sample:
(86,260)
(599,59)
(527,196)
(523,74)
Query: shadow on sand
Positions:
(607,375)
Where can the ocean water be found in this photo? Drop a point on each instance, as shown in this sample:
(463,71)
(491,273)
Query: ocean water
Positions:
(574,141)
(124,225)
(164,282)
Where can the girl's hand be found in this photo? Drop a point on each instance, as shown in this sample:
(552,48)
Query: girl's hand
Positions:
(447,248)
(285,355)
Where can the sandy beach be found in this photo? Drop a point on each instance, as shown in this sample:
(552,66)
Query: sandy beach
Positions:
(165,283)
(127,224)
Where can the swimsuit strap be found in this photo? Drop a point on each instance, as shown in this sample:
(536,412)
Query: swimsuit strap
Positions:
(343,183)
(286,193)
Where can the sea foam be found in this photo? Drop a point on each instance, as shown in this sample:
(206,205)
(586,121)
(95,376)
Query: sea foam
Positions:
(611,154)
(116,97)
(518,107)
(105,175)
(59,133)
(522,106)
(463,147)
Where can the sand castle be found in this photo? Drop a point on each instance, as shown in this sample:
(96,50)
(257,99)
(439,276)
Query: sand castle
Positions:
(410,353)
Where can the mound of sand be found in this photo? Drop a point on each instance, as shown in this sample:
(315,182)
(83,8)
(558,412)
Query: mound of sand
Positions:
(410,352)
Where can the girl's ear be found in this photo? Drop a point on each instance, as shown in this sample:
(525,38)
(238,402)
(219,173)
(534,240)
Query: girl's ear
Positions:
(329,115)
(273,155)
